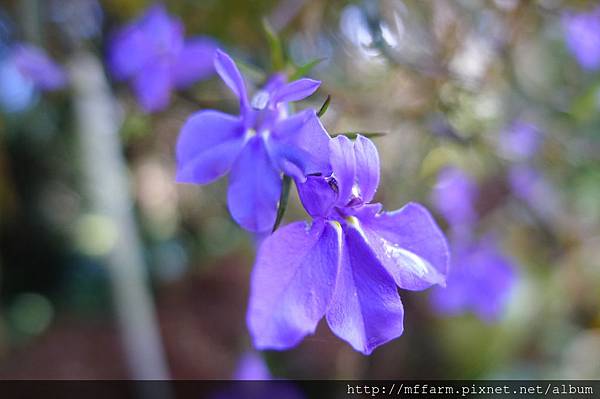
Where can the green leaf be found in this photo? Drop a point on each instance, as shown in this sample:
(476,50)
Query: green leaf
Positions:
(283,200)
(305,69)
(369,135)
(324,107)
(275,46)
(585,106)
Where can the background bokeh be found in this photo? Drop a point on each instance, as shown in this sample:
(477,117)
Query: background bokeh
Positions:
(444,79)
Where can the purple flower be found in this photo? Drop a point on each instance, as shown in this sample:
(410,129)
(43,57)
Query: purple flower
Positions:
(524,182)
(582,35)
(520,141)
(347,264)
(454,196)
(529,185)
(480,281)
(17,93)
(257,146)
(252,367)
(152,52)
(36,66)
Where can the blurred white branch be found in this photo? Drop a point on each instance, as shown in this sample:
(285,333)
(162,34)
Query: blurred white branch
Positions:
(106,179)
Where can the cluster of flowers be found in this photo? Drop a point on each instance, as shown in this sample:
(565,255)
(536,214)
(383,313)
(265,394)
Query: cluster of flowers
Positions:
(347,263)
(481,277)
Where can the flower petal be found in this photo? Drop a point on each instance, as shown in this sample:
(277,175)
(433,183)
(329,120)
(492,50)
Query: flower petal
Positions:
(194,62)
(454,196)
(582,37)
(295,91)
(410,246)
(292,283)
(152,86)
(207,146)
(36,65)
(254,188)
(480,280)
(232,77)
(343,164)
(274,82)
(367,167)
(317,196)
(163,30)
(128,52)
(251,367)
(365,310)
(302,140)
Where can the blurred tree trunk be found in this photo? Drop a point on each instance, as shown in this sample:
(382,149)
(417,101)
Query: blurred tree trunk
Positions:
(106,184)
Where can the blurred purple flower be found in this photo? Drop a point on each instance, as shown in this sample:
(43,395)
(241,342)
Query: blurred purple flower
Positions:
(152,52)
(480,281)
(454,196)
(257,146)
(523,181)
(17,93)
(520,141)
(347,265)
(529,185)
(582,35)
(252,367)
(35,65)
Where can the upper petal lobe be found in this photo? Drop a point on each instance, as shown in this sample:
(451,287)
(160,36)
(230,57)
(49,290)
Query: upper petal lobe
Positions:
(295,91)
(367,167)
(232,77)
(343,165)
(194,62)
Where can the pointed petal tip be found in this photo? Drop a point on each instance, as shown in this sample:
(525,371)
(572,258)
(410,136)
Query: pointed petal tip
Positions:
(183,176)
(275,344)
(312,82)
(219,57)
(219,54)
(370,346)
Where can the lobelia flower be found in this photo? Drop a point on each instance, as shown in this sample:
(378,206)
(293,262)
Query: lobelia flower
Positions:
(525,183)
(520,141)
(257,146)
(530,185)
(251,367)
(582,35)
(36,66)
(24,71)
(153,54)
(480,281)
(348,263)
(480,277)
(454,197)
